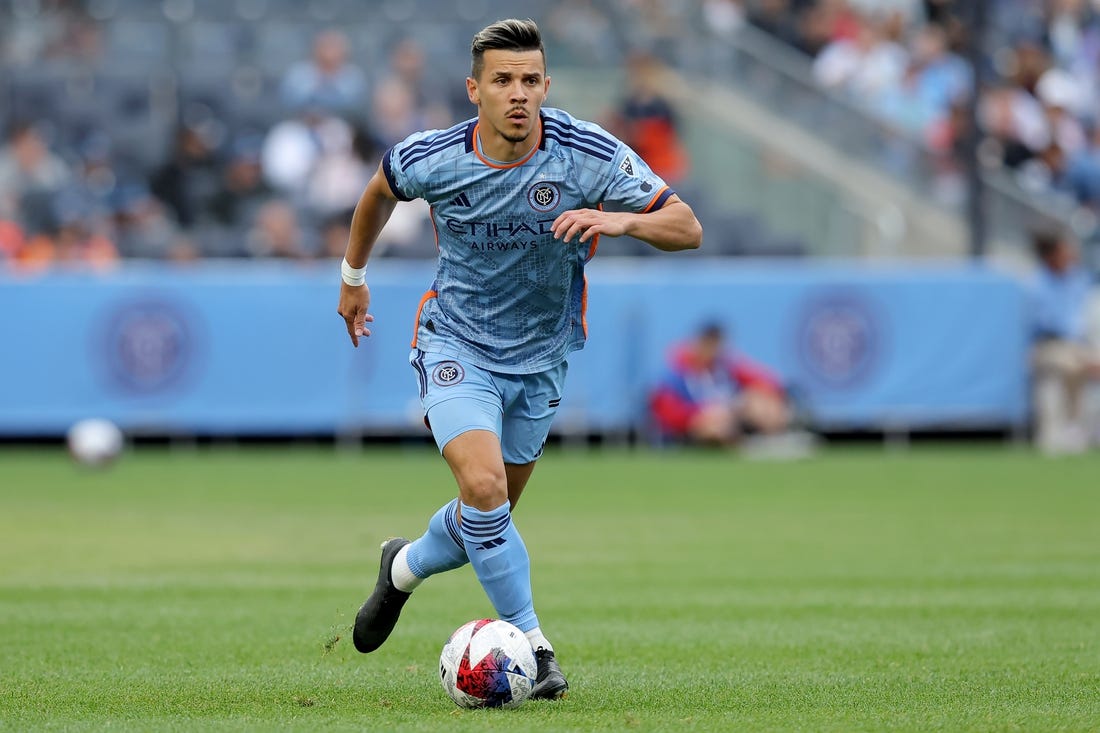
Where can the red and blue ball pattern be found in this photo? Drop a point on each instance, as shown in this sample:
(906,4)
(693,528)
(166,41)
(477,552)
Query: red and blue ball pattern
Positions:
(488,663)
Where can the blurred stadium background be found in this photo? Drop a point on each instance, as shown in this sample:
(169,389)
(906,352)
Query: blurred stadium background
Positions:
(177,178)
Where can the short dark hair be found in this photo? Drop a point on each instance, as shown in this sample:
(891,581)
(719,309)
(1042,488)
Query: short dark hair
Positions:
(505,35)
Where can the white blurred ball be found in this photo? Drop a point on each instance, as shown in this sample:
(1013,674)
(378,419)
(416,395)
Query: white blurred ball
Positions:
(94,442)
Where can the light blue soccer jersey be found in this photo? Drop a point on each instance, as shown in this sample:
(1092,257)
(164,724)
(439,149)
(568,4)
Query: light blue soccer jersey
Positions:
(507,296)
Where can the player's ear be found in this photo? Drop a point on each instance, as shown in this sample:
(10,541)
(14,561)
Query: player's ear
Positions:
(471,90)
(546,89)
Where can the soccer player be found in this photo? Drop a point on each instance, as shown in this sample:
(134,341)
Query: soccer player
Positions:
(515,197)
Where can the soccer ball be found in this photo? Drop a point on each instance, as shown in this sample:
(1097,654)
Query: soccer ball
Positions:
(487,663)
(94,442)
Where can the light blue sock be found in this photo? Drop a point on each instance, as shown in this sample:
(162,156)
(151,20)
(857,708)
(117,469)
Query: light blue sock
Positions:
(440,548)
(501,562)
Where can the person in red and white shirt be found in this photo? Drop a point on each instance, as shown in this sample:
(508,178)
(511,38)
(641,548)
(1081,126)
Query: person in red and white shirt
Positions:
(714,396)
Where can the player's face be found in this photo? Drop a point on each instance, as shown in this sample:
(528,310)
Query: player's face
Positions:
(509,93)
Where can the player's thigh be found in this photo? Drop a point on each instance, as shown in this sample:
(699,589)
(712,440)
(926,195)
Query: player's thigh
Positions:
(530,404)
(475,460)
(457,397)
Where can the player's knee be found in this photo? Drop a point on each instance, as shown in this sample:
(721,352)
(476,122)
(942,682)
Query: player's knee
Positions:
(484,487)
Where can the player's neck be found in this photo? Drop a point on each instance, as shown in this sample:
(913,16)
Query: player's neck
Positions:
(498,149)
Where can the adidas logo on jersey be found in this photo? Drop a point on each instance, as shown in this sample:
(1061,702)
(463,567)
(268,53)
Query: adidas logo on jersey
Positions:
(461,200)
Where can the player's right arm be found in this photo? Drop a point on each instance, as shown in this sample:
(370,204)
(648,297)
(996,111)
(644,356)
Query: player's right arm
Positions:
(371,214)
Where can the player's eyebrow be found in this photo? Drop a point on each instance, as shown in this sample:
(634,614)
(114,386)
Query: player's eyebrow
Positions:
(505,74)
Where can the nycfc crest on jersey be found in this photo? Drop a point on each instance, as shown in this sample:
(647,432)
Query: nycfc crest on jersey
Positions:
(543,196)
(507,295)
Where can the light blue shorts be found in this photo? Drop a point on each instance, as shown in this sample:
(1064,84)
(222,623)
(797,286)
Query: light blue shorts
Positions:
(458,396)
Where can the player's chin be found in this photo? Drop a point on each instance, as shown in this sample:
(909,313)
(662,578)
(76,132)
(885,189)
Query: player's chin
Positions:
(516,132)
(517,137)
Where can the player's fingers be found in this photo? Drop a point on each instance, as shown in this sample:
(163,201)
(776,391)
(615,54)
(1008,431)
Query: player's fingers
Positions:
(563,222)
(348,314)
(577,228)
(590,232)
(362,318)
(351,331)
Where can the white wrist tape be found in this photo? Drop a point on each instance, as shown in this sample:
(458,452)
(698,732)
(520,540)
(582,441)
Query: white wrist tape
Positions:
(353,276)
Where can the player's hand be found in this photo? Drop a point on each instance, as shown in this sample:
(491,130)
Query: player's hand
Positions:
(354,301)
(587,223)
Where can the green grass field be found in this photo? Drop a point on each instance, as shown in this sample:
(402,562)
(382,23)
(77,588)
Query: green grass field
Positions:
(940,589)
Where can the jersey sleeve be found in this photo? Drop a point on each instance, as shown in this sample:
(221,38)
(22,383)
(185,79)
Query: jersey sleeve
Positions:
(628,182)
(401,170)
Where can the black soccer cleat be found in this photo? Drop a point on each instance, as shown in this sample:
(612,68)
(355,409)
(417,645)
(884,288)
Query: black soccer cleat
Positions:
(379,614)
(550,683)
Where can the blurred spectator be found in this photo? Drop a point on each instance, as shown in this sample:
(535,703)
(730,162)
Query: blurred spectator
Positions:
(1061,98)
(242,189)
(935,79)
(820,25)
(712,396)
(778,18)
(1083,175)
(1063,360)
(1015,121)
(76,236)
(583,30)
(408,233)
(12,239)
(334,235)
(95,172)
(76,37)
(189,182)
(328,82)
(142,224)
(646,121)
(316,162)
(63,33)
(27,166)
(864,66)
(724,17)
(395,112)
(1046,172)
(434,95)
(277,232)
(947,141)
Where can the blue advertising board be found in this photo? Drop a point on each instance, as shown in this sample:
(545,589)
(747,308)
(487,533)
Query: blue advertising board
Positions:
(229,348)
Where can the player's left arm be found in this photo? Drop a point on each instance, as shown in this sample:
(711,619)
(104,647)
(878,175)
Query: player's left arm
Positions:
(671,228)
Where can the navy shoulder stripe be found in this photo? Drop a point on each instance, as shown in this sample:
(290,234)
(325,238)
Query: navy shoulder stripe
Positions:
(409,157)
(592,138)
(432,139)
(443,145)
(578,145)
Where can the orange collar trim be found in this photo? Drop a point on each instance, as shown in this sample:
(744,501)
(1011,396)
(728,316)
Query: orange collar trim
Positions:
(513,164)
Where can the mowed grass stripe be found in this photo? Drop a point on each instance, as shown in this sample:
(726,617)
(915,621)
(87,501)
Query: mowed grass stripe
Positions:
(940,589)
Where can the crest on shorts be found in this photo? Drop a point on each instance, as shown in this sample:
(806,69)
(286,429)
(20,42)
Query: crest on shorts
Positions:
(543,196)
(448,373)
(627,166)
